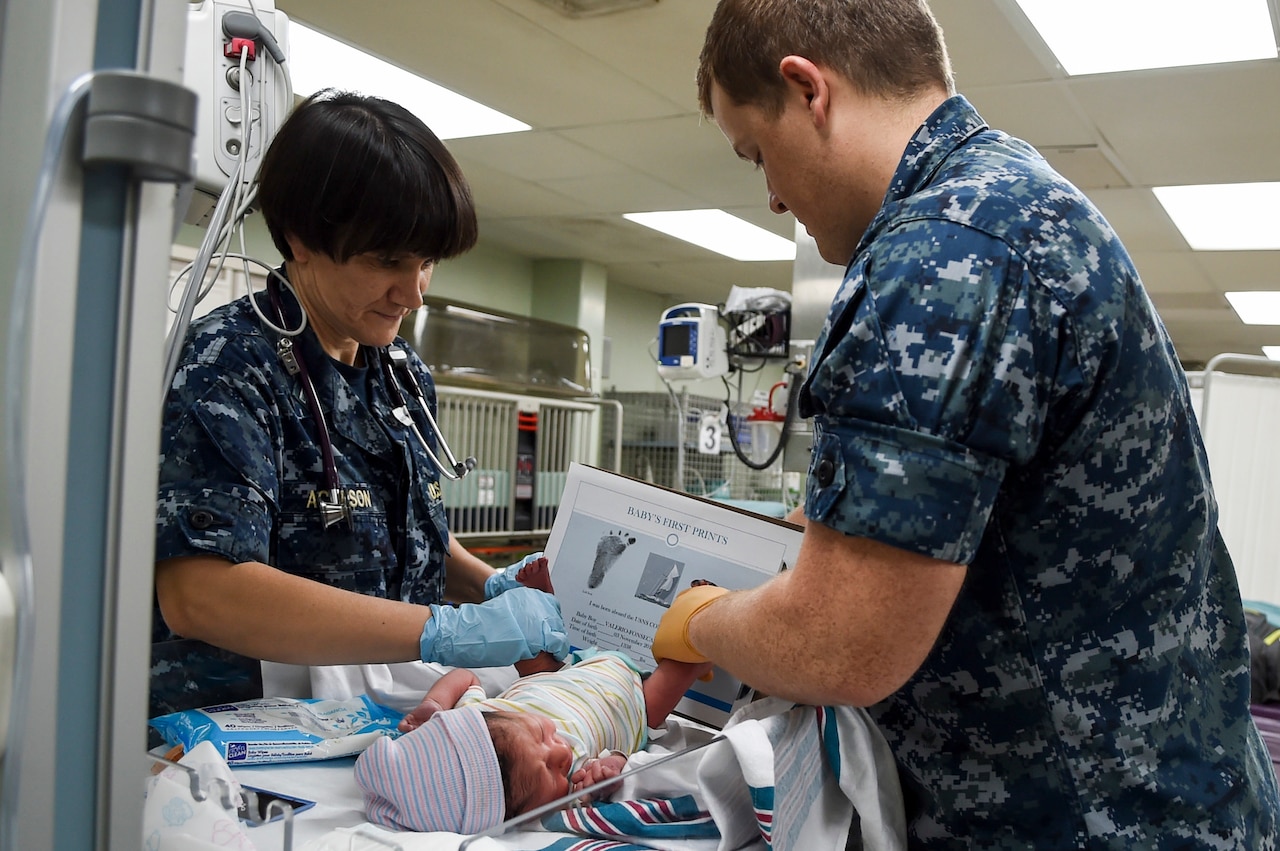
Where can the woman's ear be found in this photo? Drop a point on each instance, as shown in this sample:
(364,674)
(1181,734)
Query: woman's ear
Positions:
(301,253)
(809,82)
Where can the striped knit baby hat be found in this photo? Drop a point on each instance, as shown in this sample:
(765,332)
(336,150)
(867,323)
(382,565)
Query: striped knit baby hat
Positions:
(442,776)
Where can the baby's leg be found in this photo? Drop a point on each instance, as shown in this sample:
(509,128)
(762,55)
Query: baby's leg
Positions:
(667,684)
(537,574)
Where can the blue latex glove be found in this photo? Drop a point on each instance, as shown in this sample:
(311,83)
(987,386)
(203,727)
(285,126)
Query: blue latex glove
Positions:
(505,580)
(508,628)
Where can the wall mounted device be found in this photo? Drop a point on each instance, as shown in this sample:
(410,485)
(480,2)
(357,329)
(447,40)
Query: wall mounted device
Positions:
(691,343)
(235,62)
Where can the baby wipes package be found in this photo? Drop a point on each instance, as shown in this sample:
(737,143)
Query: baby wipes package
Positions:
(281,729)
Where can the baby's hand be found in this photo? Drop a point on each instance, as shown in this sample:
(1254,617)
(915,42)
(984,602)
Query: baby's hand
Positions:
(596,770)
(419,715)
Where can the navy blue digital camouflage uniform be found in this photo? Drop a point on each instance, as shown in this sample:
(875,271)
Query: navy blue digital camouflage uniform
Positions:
(993,388)
(241,473)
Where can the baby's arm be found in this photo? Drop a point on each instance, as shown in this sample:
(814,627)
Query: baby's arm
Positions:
(443,694)
(667,684)
(595,770)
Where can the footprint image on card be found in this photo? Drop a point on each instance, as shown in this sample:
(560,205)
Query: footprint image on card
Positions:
(611,545)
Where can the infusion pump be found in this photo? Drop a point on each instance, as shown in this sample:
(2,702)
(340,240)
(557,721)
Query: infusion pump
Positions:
(691,343)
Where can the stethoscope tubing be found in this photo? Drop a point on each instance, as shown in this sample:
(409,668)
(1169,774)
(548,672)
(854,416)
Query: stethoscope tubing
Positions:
(334,509)
(298,363)
(453,469)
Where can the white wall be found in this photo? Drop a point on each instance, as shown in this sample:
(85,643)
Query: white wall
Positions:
(1240,434)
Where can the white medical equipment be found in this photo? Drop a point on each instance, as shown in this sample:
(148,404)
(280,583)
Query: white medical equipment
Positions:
(218,33)
(8,643)
(691,343)
(81,631)
(237,63)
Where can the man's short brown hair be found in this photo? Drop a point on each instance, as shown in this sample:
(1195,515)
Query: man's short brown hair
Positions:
(890,48)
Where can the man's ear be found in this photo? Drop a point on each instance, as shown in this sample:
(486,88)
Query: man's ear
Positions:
(809,82)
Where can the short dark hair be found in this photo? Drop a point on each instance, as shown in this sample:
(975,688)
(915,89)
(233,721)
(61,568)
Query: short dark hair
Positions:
(500,726)
(890,48)
(348,174)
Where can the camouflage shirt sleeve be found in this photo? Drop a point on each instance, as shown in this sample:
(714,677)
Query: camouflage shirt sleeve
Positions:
(930,385)
(219,479)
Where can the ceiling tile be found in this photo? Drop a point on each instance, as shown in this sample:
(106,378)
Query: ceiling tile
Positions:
(537,155)
(987,44)
(1208,124)
(1088,167)
(1138,217)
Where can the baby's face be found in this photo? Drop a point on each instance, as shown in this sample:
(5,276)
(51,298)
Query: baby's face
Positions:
(541,762)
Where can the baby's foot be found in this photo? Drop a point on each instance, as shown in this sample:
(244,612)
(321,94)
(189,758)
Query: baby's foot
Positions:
(610,546)
(536,574)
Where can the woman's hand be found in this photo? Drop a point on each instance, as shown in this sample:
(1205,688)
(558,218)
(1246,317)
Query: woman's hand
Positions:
(515,625)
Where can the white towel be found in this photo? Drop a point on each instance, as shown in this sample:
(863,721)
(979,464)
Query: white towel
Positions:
(795,777)
(400,686)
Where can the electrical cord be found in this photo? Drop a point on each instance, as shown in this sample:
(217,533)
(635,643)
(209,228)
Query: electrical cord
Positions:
(788,420)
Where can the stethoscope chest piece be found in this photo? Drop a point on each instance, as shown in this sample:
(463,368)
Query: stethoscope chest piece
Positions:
(333,513)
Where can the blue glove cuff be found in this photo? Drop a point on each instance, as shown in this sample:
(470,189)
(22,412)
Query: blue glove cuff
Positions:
(505,580)
(501,582)
(431,632)
(517,625)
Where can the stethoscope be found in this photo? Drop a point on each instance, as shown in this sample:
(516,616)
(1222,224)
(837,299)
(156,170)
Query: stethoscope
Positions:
(397,375)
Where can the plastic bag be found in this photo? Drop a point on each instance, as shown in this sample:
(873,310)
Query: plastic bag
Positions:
(176,818)
(281,729)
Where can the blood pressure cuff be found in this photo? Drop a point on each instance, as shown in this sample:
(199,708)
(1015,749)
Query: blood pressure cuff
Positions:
(904,488)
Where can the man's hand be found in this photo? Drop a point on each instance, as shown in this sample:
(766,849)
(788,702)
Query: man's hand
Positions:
(672,638)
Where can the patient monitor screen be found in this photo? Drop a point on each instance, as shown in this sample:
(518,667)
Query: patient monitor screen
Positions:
(677,341)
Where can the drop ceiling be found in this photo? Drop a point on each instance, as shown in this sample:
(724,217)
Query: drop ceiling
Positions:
(617,129)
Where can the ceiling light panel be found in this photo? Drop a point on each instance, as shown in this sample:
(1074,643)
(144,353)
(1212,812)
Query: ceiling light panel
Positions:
(720,232)
(318,61)
(1256,307)
(1225,216)
(1103,36)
